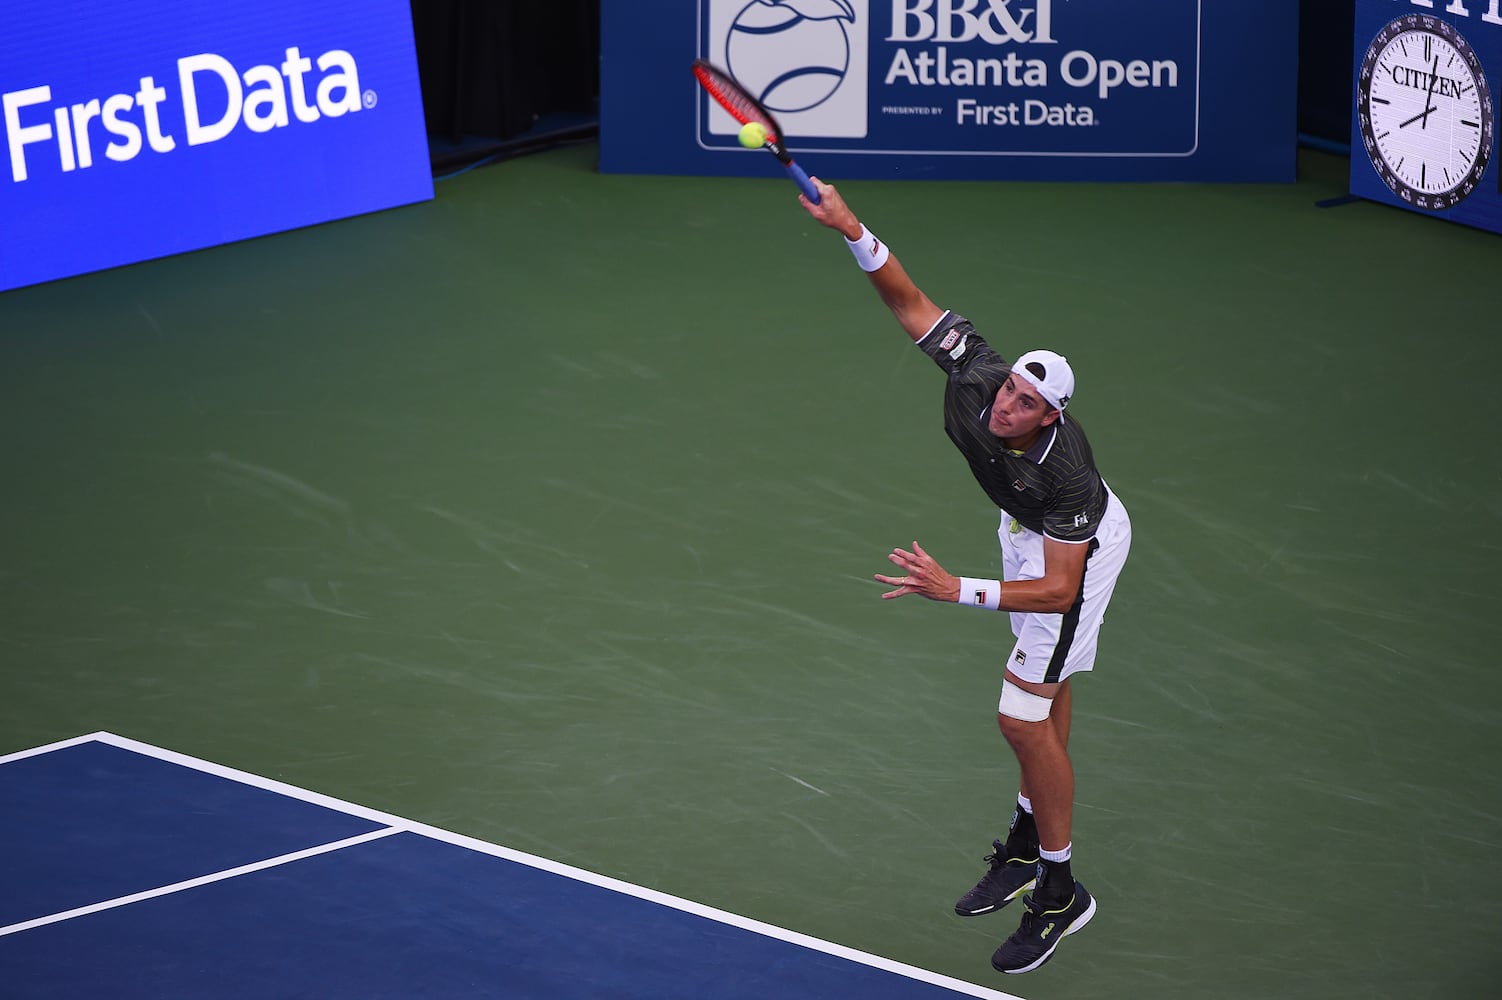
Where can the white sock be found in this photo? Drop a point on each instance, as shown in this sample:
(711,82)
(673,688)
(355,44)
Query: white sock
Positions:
(1024,803)
(1057,856)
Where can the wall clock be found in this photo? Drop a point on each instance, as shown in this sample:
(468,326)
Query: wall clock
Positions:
(1425,111)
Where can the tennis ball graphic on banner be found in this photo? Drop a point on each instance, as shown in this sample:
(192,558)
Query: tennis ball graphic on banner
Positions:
(792,54)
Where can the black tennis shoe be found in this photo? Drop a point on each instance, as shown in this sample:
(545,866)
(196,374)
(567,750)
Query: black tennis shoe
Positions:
(1043,927)
(1007,879)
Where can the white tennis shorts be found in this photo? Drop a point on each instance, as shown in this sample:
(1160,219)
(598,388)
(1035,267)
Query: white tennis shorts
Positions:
(1050,647)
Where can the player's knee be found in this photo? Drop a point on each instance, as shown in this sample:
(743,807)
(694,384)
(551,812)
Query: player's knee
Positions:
(1016,732)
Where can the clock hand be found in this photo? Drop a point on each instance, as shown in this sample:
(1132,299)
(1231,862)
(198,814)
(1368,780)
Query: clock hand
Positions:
(1429,97)
(1428,100)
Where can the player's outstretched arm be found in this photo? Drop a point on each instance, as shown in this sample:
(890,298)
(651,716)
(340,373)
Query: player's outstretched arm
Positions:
(914,310)
(1053,593)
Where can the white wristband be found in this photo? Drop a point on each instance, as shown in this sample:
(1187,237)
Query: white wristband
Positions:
(870,252)
(980,593)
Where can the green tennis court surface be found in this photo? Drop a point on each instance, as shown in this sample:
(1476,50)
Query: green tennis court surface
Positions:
(545,513)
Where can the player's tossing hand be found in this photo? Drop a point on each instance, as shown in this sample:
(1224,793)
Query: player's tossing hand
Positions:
(921,574)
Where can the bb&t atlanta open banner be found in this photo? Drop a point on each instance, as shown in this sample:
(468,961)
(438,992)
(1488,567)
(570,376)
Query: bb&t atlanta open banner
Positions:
(1022,89)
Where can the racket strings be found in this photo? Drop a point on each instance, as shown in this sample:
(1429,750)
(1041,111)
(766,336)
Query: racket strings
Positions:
(742,107)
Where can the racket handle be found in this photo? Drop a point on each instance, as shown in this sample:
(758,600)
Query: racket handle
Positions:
(801,179)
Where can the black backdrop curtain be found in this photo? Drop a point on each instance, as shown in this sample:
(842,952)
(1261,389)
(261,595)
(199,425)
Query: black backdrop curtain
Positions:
(1326,44)
(491,68)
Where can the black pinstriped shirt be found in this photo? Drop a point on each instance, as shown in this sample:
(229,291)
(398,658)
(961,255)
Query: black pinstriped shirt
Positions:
(1053,488)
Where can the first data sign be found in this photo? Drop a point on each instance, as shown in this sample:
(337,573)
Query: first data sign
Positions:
(137,130)
(1018,89)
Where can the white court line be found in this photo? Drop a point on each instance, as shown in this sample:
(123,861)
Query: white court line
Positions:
(398,824)
(59,745)
(193,883)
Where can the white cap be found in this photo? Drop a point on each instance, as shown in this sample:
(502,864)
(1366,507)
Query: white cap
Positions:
(1050,374)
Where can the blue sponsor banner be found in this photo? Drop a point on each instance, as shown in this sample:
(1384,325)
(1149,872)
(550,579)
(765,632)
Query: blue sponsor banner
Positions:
(137,130)
(1428,77)
(1182,90)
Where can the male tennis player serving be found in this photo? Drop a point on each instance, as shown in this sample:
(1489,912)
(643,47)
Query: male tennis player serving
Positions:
(1064,539)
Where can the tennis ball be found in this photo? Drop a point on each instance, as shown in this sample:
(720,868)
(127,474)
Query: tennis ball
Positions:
(753,135)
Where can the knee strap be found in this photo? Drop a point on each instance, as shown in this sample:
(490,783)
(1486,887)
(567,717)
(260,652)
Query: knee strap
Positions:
(1023,705)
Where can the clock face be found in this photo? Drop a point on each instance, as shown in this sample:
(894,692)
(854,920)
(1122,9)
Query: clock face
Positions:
(1425,111)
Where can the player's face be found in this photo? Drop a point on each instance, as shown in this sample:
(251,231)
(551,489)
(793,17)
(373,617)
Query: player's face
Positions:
(1018,411)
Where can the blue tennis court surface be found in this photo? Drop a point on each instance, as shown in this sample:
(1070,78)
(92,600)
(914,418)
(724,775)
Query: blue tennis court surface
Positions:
(131,871)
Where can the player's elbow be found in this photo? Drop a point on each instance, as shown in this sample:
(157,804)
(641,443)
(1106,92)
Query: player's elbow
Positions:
(1058,600)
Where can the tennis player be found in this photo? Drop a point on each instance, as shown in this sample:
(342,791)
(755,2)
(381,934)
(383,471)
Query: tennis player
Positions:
(1064,539)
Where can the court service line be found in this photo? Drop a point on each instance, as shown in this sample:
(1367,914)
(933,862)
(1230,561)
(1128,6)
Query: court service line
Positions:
(396,824)
(193,883)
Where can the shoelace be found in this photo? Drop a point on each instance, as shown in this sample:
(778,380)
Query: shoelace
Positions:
(1025,929)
